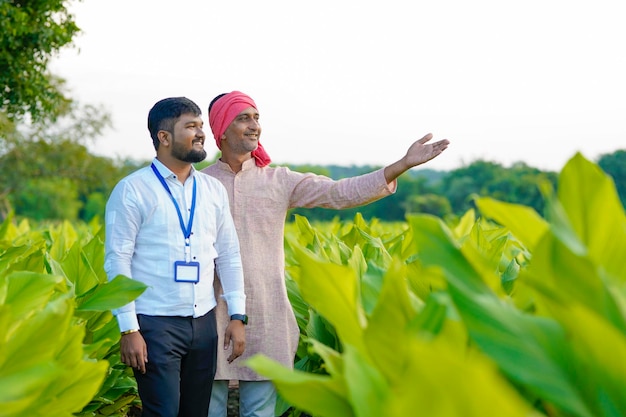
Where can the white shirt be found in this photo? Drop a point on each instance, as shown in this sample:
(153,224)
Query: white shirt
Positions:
(144,238)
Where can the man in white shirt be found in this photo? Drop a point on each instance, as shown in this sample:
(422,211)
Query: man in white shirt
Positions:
(170,227)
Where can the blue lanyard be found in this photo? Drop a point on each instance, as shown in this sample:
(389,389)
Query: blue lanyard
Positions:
(186,230)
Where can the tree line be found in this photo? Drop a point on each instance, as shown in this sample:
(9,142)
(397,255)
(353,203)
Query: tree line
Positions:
(52,177)
(450,193)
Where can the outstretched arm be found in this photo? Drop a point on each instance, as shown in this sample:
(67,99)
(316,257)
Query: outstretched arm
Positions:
(419,152)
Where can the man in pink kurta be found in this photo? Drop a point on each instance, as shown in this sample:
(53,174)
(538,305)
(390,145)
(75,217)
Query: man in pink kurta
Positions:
(260,196)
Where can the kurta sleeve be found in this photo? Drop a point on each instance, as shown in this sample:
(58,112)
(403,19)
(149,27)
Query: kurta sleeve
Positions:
(311,190)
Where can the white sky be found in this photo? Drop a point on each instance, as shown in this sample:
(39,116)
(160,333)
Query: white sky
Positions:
(357,81)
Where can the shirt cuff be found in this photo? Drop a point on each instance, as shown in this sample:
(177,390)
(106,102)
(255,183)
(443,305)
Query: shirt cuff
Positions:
(127,321)
(236,301)
(392,186)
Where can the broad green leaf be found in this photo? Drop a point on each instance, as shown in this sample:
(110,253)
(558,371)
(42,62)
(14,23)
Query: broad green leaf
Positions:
(114,294)
(63,238)
(8,231)
(299,306)
(394,306)
(37,338)
(319,329)
(332,290)
(357,262)
(594,357)
(513,340)
(433,316)
(27,292)
(559,272)
(93,253)
(589,197)
(319,395)
(442,381)
(526,348)
(437,248)
(75,388)
(308,236)
(373,249)
(465,225)
(368,391)
(524,222)
(20,389)
(424,280)
(78,270)
(27,257)
(333,361)
(371,283)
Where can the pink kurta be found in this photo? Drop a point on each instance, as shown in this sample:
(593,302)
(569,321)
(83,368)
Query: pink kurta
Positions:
(259,200)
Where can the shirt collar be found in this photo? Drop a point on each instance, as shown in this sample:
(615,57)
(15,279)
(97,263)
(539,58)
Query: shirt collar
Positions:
(248,164)
(166,172)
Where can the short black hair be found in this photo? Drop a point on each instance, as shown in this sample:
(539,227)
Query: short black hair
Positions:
(214,100)
(164,114)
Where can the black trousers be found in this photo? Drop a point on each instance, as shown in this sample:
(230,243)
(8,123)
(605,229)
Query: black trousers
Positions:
(182,356)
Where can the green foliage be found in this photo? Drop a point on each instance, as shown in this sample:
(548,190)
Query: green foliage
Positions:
(32,33)
(51,179)
(614,164)
(518,184)
(508,311)
(44,370)
(428,204)
(59,343)
(47,198)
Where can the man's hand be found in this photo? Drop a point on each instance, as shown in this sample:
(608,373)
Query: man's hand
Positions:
(421,151)
(133,351)
(418,153)
(235,333)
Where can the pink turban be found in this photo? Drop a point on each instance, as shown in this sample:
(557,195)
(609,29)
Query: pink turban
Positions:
(224,111)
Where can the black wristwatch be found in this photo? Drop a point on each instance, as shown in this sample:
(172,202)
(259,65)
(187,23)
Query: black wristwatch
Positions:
(242,317)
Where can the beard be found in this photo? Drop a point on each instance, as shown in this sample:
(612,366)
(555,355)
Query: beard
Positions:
(187,155)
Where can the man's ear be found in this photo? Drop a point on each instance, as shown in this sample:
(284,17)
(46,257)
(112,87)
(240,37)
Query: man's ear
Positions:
(164,137)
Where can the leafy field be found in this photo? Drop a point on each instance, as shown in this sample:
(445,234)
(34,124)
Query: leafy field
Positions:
(503,312)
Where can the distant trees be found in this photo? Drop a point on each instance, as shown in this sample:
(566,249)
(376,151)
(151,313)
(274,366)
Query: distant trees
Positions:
(46,169)
(517,184)
(57,178)
(451,193)
(32,33)
(614,164)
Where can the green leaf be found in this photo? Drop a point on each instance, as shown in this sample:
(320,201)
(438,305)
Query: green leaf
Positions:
(593,357)
(522,221)
(118,292)
(367,388)
(559,273)
(332,290)
(319,395)
(596,214)
(27,292)
(79,271)
(442,380)
(394,306)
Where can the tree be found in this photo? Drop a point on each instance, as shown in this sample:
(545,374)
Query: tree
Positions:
(614,164)
(33,31)
(48,173)
(434,204)
(519,184)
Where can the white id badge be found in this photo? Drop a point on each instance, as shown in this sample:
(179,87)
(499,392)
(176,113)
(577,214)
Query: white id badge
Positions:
(186,271)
